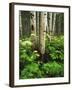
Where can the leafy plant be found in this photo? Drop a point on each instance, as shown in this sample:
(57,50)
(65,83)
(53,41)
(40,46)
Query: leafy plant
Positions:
(31,65)
(26,52)
(53,69)
(55,48)
(31,71)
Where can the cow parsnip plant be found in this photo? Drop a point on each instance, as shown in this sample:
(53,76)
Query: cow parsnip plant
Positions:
(55,48)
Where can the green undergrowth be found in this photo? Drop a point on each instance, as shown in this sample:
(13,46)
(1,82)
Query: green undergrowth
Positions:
(31,63)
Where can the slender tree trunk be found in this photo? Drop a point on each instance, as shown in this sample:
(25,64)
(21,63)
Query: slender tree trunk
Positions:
(37,27)
(43,25)
(59,24)
(33,22)
(33,29)
(20,24)
(47,23)
(50,24)
(54,22)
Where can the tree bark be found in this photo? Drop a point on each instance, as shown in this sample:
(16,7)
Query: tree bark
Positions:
(54,22)
(37,27)
(50,24)
(59,24)
(47,23)
(20,24)
(33,22)
(33,29)
(43,25)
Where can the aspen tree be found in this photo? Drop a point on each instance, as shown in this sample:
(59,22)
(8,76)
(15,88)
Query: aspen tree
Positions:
(54,22)
(20,23)
(33,28)
(43,25)
(50,24)
(37,27)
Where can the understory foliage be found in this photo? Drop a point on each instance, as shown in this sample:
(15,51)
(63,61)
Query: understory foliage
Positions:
(55,48)
(33,66)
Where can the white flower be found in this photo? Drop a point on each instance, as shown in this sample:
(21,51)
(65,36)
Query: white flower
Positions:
(37,55)
(35,51)
(27,43)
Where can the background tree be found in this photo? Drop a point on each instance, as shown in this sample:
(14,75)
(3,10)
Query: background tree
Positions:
(59,24)
(54,22)
(37,27)
(33,22)
(33,28)
(20,24)
(50,24)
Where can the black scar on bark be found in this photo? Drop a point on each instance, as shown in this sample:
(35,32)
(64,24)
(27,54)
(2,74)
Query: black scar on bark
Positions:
(32,28)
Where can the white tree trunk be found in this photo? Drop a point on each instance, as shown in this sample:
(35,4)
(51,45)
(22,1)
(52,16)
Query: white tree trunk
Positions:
(54,21)
(37,27)
(43,25)
(33,29)
(47,23)
(20,24)
(33,22)
(50,24)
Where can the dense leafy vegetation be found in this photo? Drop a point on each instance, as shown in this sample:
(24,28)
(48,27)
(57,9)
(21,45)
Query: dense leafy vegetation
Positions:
(52,63)
(55,48)
(53,69)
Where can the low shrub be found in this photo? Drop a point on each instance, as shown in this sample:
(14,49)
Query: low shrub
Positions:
(55,48)
(26,52)
(31,65)
(31,71)
(53,69)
